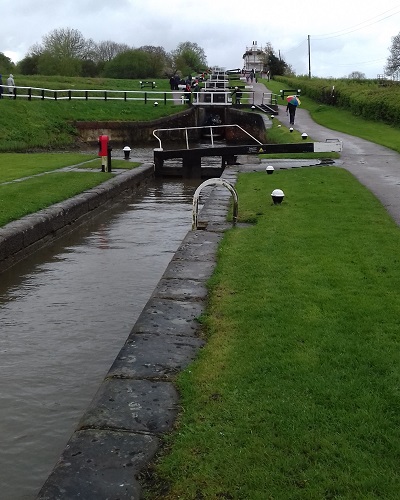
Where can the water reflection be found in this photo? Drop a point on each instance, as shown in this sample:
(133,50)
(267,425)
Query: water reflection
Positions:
(64,315)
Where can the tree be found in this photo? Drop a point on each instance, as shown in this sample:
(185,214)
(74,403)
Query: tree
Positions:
(29,65)
(188,58)
(131,64)
(275,65)
(393,61)
(67,43)
(357,75)
(50,64)
(158,59)
(106,50)
(6,65)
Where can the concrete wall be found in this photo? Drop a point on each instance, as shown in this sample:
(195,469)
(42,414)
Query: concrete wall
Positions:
(254,123)
(131,133)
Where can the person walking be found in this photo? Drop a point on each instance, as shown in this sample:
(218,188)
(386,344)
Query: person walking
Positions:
(11,85)
(291,108)
(293,102)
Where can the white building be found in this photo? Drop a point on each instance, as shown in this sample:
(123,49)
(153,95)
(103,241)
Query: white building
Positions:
(254,58)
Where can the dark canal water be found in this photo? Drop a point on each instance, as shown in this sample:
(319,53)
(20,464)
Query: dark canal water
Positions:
(64,315)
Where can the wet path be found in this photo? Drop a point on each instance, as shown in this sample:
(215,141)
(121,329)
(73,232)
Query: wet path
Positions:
(64,316)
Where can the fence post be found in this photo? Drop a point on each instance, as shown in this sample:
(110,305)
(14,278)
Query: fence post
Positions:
(124,96)
(69,94)
(29,94)
(105,95)
(55,95)
(86,94)
(145,97)
(42,94)
(165,98)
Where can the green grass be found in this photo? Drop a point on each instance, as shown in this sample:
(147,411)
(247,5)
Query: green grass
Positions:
(50,124)
(72,82)
(296,394)
(29,196)
(31,125)
(16,166)
(35,193)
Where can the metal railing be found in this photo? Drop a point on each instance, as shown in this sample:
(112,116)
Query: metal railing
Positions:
(214,182)
(211,128)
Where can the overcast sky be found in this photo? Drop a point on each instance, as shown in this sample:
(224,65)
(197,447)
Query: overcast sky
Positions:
(345,35)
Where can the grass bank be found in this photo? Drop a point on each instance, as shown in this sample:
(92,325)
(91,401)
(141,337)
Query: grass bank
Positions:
(33,125)
(296,394)
(37,188)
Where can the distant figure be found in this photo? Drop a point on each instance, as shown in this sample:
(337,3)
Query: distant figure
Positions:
(1,87)
(172,83)
(11,86)
(291,108)
(238,94)
(188,92)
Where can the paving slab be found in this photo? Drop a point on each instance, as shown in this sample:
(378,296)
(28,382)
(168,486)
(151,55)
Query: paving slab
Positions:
(181,289)
(99,464)
(132,405)
(197,251)
(201,238)
(197,270)
(153,356)
(165,316)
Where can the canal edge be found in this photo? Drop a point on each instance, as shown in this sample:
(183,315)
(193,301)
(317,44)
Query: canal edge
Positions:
(27,235)
(137,403)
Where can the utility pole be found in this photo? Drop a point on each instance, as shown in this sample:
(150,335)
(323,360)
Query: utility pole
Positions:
(309,58)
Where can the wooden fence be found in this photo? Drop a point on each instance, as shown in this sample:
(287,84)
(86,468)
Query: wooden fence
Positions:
(204,97)
(31,93)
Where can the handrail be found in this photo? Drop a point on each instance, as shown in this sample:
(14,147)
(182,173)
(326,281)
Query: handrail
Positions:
(208,182)
(185,129)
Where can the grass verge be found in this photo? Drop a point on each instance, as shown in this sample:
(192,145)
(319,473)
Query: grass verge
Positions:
(18,165)
(296,394)
(26,197)
(34,192)
(279,134)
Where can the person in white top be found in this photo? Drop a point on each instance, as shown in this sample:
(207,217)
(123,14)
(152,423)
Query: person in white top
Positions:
(11,85)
